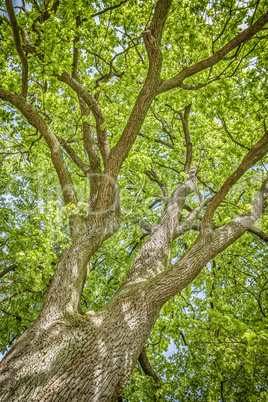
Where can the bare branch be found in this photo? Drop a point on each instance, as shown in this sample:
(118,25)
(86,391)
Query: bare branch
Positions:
(190,222)
(92,152)
(23,58)
(153,35)
(151,260)
(152,38)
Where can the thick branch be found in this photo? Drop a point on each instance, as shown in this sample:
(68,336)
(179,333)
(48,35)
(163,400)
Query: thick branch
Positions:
(23,58)
(92,152)
(153,257)
(36,120)
(152,39)
(190,222)
(183,272)
(257,152)
(89,142)
(243,37)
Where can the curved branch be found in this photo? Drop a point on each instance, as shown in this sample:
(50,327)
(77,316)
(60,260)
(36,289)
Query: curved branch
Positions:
(191,222)
(23,58)
(243,37)
(147,367)
(257,152)
(206,247)
(154,177)
(73,155)
(152,38)
(36,120)
(154,255)
(259,233)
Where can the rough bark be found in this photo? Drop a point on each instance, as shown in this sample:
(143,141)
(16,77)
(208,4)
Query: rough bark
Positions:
(67,356)
(76,357)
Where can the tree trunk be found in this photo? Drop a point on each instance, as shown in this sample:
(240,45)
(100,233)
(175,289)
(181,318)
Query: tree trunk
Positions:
(90,357)
(80,357)
(67,356)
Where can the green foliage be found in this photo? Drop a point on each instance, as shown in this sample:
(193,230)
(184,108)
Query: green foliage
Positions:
(218,325)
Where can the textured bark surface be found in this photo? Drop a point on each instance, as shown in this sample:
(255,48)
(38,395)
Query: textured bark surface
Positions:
(69,356)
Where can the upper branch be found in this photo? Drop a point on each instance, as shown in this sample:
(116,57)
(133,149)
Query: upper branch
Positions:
(75,50)
(92,152)
(96,110)
(89,142)
(108,9)
(73,155)
(184,119)
(16,36)
(152,38)
(244,36)
(154,255)
(254,155)
(153,35)
(36,120)
(204,249)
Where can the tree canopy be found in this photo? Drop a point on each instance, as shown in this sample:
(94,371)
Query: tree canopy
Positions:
(100,98)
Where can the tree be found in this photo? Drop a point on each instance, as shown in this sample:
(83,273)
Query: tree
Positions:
(133,98)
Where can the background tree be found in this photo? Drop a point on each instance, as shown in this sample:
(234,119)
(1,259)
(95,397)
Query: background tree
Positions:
(151,117)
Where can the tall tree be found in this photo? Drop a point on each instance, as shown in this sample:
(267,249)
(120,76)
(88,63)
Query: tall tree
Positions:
(116,102)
